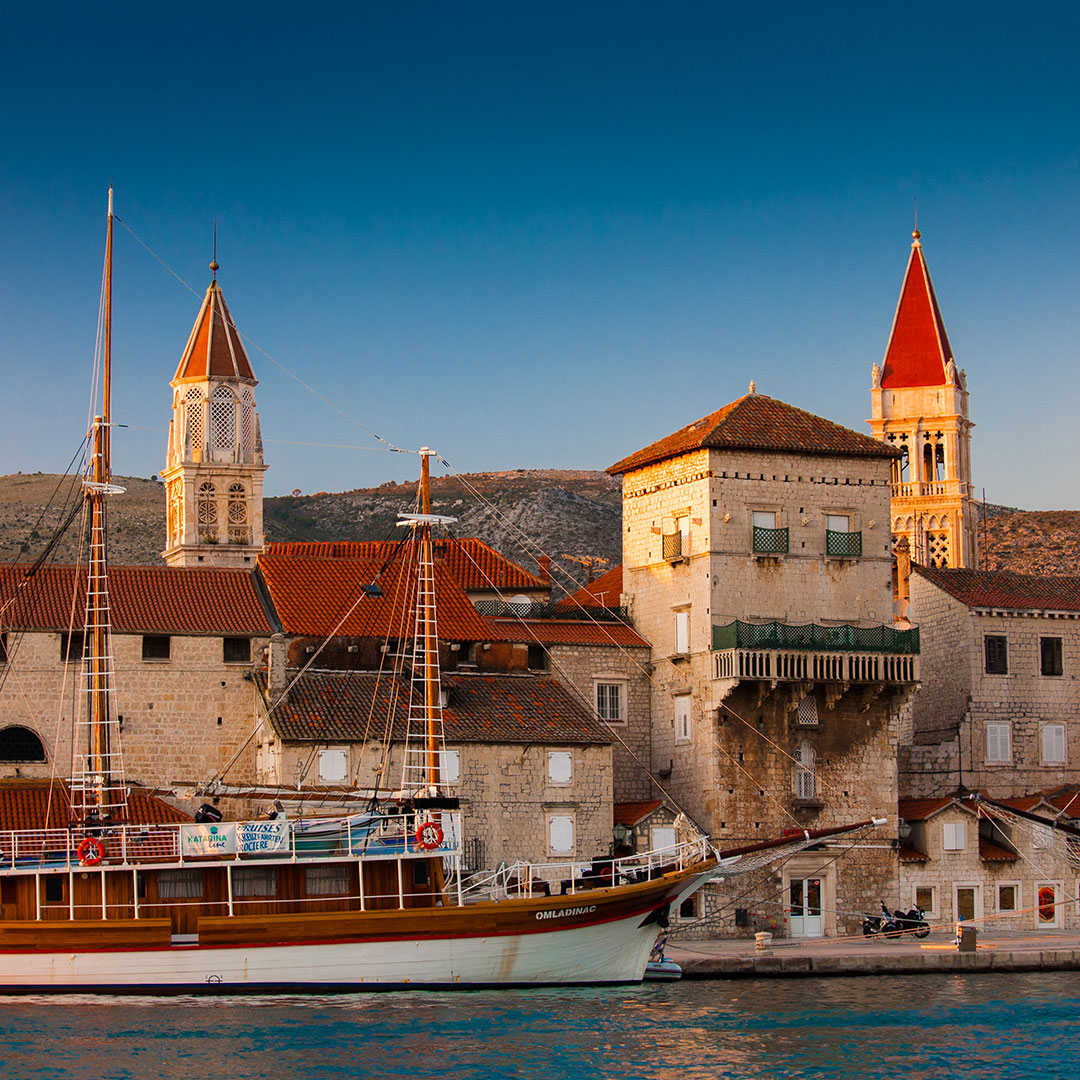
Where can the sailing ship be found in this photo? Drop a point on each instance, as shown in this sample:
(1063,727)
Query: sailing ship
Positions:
(368,901)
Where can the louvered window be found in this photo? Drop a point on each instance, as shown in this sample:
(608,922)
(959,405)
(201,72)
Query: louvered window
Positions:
(194,405)
(1053,744)
(998,742)
(997,654)
(247,426)
(223,419)
(1050,653)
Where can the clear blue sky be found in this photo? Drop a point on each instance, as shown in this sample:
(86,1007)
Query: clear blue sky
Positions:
(540,235)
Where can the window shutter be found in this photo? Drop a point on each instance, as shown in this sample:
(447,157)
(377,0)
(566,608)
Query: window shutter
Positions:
(682,631)
(682,718)
(1053,743)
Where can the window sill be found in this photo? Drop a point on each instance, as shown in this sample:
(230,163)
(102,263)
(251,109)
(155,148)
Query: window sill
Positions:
(157,660)
(679,658)
(808,804)
(676,559)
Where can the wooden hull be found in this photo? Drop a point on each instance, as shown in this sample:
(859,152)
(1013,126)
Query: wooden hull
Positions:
(595,936)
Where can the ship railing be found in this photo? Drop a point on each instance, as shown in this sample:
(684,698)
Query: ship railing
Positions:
(397,836)
(520,880)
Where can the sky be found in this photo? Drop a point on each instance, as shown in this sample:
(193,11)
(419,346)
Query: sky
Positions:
(538,236)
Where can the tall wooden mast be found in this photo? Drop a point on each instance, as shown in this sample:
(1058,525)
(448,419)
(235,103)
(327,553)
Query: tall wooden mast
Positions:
(98,790)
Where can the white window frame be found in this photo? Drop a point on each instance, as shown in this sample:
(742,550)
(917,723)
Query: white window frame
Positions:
(931,911)
(560,832)
(607,685)
(838,523)
(560,768)
(450,766)
(334,755)
(1017,901)
(683,727)
(998,742)
(682,633)
(1059,904)
(1057,749)
(954,836)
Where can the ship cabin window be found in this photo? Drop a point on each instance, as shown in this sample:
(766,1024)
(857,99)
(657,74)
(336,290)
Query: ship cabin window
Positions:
(72,647)
(156,646)
(236,650)
(20,744)
(254,881)
(420,878)
(1050,652)
(326,880)
(179,884)
(538,658)
(54,889)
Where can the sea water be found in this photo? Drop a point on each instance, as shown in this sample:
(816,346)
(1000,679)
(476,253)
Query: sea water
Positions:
(993,1027)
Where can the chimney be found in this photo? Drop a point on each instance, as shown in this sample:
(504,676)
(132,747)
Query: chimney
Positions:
(545,569)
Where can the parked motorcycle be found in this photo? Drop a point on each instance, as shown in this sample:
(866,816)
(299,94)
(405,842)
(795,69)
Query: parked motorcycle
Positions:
(896,923)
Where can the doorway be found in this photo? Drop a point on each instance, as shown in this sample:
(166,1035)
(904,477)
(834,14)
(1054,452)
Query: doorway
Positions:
(968,907)
(804,898)
(1046,914)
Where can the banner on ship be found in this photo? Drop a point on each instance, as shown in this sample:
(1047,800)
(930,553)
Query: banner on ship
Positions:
(232,838)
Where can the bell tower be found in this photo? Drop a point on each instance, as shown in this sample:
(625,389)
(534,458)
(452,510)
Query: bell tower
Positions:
(919,404)
(214,471)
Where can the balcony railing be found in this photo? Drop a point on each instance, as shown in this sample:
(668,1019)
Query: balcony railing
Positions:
(673,546)
(923,488)
(843,543)
(812,637)
(770,541)
(535,609)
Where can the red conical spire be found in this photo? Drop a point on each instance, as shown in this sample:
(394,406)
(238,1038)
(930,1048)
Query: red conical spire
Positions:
(214,349)
(919,349)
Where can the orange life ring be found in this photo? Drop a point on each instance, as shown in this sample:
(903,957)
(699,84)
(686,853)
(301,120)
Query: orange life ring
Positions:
(429,836)
(91,851)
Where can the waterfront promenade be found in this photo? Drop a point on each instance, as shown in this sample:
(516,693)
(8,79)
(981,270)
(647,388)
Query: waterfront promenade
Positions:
(1004,951)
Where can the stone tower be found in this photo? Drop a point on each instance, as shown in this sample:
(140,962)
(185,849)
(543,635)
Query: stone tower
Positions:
(919,403)
(214,472)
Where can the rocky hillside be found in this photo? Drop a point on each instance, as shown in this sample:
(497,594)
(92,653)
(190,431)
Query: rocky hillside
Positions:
(573,516)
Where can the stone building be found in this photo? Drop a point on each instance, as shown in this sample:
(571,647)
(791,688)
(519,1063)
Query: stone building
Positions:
(213,474)
(997,710)
(185,642)
(757,562)
(919,405)
(958,865)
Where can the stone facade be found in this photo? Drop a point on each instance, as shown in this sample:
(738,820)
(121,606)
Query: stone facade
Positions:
(1032,742)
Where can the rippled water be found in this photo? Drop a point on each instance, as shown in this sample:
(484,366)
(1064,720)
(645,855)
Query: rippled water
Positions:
(993,1027)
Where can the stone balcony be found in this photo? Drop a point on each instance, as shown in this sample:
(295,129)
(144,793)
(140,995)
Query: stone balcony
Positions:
(779,652)
(920,489)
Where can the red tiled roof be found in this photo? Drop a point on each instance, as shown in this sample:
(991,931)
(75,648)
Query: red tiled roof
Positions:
(475,565)
(630,813)
(1003,589)
(991,852)
(349,706)
(757,422)
(26,804)
(155,599)
(1066,801)
(605,591)
(918,348)
(214,347)
(564,632)
(313,596)
(921,809)
(908,854)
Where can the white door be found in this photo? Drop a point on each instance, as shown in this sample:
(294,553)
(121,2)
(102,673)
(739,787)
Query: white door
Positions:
(804,896)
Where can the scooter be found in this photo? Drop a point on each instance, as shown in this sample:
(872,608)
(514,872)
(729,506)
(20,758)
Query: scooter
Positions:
(896,923)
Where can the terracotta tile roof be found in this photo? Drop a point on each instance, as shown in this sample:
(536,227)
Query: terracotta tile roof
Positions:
(26,804)
(921,809)
(313,596)
(476,566)
(918,348)
(342,707)
(1003,589)
(991,852)
(630,813)
(1066,801)
(148,599)
(908,854)
(564,632)
(214,348)
(757,422)
(605,591)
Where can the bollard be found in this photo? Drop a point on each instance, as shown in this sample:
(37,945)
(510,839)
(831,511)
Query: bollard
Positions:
(965,937)
(762,942)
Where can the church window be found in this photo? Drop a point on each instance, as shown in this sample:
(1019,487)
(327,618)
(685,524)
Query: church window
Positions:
(195,419)
(939,462)
(247,424)
(223,419)
(207,503)
(905,464)
(20,744)
(238,518)
(937,549)
(176,508)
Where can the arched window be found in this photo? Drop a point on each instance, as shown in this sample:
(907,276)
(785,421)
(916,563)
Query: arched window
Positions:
(905,464)
(238,515)
(20,744)
(805,775)
(223,419)
(194,406)
(939,459)
(207,505)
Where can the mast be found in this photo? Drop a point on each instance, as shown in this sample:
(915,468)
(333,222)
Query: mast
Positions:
(97,784)
(424,739)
